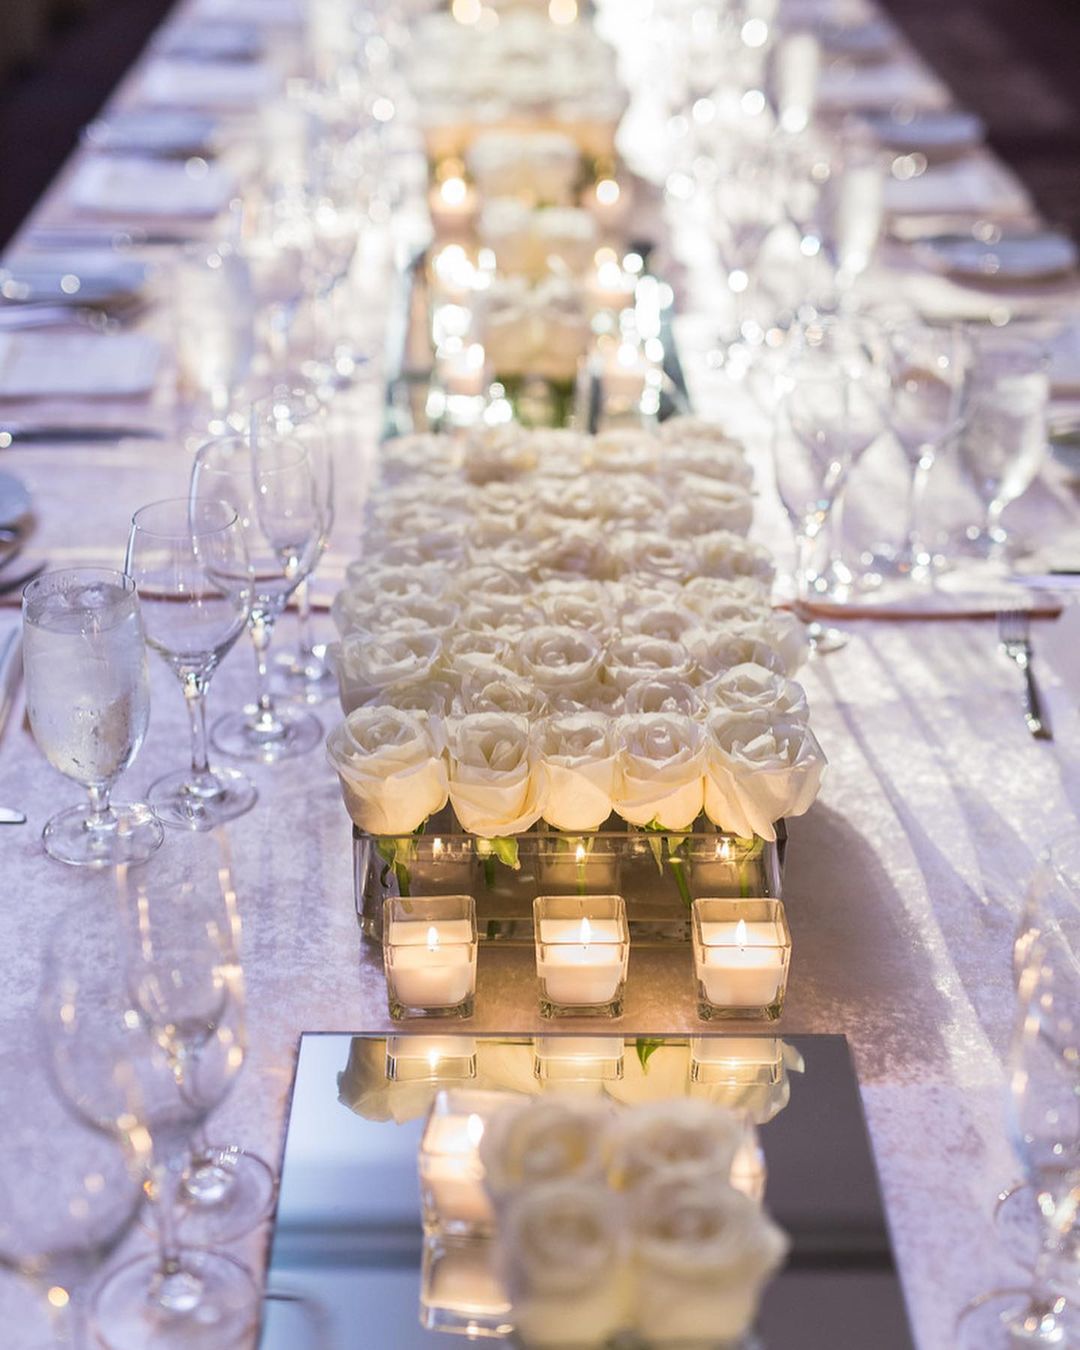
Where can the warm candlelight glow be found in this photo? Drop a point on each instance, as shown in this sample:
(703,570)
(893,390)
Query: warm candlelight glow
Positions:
(467,11)
(433,1058)
(563,11)
(740,933)
(474,1130)
(586,932)
(607,192)
(433,938)
(579,853)
(453,191)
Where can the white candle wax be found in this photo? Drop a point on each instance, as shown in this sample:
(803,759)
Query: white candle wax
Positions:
(464,1280)
(740,965)
(584,964)
(451,1170)
(433,966)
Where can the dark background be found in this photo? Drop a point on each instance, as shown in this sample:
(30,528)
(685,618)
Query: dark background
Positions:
(1015,62)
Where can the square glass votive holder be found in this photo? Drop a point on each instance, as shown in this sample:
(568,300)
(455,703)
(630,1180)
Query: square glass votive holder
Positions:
(453,1197)
(460,1289)
(429,955)
(430,1059)
(736,1061)
(578,1059)
(742,953)
(582,953)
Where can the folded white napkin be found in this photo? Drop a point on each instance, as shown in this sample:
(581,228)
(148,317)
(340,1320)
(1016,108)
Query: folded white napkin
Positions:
(843,85)
(177,83)
(979,185)
(77,365)
(123,186)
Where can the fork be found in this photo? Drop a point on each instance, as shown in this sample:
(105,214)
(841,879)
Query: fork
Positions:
(1014,630)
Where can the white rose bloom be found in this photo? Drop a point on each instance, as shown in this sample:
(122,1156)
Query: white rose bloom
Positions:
(498,453)
(485,579)
(626,450)
(493,691)
(365,580)
(704,594)
(754,688)
(727,555)
(664,694)
(441,548)
(703,1254)
(391,766)
(425,453)
(577,549)
(368,662)
(647,554)
(638,656)
(507,617)
(726,507)
(560,454)
(418,611)
(666,620)
(627,497)
(550,1138)
(386,521)
(567,609)
(560,660)
(566,500)
(437,696)
(716,652)
(486,651)
(496,787)
(759,769)
(686,427)
(578,761)
(497,498)
(491,530)
(659,769)
(563,1249)
(725,463)
(659,1135)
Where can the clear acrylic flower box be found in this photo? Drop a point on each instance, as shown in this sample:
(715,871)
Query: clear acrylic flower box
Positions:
(658,873)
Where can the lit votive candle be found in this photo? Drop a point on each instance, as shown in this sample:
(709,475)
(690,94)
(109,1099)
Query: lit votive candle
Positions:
(578,1059)
(430,1059)
(582,953)
(429,955)
(452,1192)
(453,204)
(742,950)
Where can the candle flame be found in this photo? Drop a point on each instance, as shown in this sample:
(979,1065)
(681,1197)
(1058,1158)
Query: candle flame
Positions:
(579,854)
(433,1058)
(740,932)
(586,931)
(453,191)
(474,1130)
(433,938)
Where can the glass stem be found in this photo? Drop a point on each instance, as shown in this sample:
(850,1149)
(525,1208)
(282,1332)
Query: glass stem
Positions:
(195,697)
(917,490)
(303,617)
(805,540)
(101,815)
(262,630)
(164,1200)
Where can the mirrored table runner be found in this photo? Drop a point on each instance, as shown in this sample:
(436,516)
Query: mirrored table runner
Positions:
(347,1261)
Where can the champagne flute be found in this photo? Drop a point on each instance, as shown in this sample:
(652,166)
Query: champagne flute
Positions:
(271,485)
(143,1044)
(303,412)
(190,564)
(68,1194)
(88,700)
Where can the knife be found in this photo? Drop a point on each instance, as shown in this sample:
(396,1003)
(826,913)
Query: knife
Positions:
(10,674)
(75,435)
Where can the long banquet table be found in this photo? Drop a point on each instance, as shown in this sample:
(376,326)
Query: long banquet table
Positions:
(903,882)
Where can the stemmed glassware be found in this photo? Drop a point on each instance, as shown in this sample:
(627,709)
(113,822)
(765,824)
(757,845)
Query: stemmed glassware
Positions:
(1043,1114)
(832,411)
(189,561)
(748,207)
(69,1195)
(214,302)
(303,413)
(927,367)
(88,700)
(145,1037)
(271,484)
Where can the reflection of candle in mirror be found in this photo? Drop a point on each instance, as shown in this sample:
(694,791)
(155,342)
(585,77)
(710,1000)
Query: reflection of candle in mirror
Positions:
(432,966)
(452,204)
(578,1059)
(740,965)
(580,962)
(461,1277)
(748,1167)
(451,1170)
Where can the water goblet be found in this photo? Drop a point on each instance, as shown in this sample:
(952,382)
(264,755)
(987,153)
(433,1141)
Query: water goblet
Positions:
(143,1045)
(88,700)
(271,485)
(214,312)
(304,413)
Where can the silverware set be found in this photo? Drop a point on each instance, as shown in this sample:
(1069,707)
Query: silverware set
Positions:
(1014,632)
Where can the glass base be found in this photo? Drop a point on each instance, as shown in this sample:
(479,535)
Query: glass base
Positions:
(213,1305)
(225,1197)
(824,639)
(1007,1319)
(401,1011)
(241,735)
(189,805)
(1019,1224)
(712,1012)
(131,835)
(612,1009)
(305,676)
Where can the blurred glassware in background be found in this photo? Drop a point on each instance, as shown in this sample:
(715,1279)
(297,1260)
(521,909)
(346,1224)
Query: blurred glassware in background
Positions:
(214,314)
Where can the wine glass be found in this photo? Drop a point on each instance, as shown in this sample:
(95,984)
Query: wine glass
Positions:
(927,367)
(187,919)
(303,412)
(68,1194)
(214,311)
(830,403)
(1043,1114)
(271,485)
(748,206)
(88,700)
(1003,440)
(143,1043)
(190,565)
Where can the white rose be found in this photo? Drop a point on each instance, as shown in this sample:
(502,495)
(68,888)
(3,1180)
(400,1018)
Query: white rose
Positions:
(491,530)
(553,1138)
(485,579)
(759,769)
(594,697)
(576,549)
(435,548)
(666,694)
(367,662)
(467,652)
(570,609)
(364,582)
(666,620)
(725,507)
(391,766)
(659,1135)
(659,770)
(496,786)
(498,453)
(753,688)
(637,656)
(703,1254)
(723,554)
(493,691)
(717,652)
(629,497)
(506,617)
(649,554)
(703,459)
(625,450)
(578,761)
(686,427)
(506,499)
(702,594)
(560,453)
(560,660)
(438,696)
(416,612)
(424,453)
